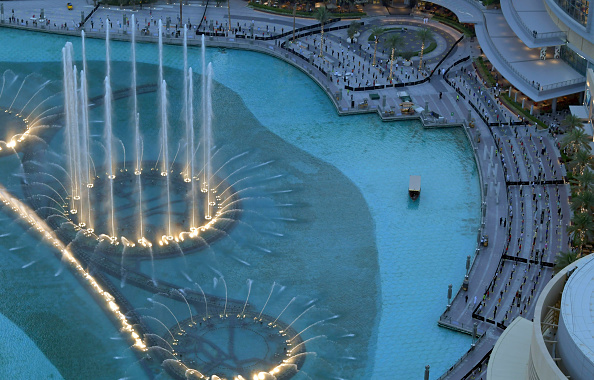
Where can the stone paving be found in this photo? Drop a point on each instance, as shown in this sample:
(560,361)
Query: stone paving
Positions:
(523,218)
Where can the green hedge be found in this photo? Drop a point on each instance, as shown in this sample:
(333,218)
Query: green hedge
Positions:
(485,73)
(126,2)
(289,12)
(517,108)
(432,46)
(454,24)
(371,36)
(489,2)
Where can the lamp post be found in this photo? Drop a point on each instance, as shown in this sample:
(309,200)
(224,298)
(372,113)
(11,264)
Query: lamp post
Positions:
(228,14)
(466,281)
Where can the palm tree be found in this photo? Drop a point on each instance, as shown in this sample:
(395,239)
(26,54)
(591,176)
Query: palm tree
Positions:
(375,32)
(353,29)
(394,41)
(355,25)
(423,35)
(563,259)
(584,181)
(575,139)
(580,161)
(351,3)
(584,202)
(322,15)
(571,122)
(581,229)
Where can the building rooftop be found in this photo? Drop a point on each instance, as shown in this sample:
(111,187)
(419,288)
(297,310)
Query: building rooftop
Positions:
(531,22)
(522,66)
(577,314)
(509,358)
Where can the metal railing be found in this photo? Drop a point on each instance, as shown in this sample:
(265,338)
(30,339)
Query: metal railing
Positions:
(539,88)
(471,350)
(476,3)
(467,327)
(537,36)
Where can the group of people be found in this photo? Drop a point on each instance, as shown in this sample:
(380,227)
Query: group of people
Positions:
(511,293)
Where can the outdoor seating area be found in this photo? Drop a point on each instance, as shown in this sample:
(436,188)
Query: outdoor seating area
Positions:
(407,108)
(308,7)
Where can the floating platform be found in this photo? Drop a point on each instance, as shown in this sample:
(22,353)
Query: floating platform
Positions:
(414,187)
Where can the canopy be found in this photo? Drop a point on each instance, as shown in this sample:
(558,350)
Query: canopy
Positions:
(414,183)
(579,111)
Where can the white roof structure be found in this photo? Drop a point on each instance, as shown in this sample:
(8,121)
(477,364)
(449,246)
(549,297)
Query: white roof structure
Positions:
(414,184)
(576,327)
(518,58)
(465,10)
(510,356)
(522,66)
(528,16)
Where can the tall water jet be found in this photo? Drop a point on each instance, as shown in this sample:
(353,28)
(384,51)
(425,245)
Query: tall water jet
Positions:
(72,129)
(160,52)
(84,50)
(194,209)
(85,138)
(109,137)
(188,98)
(109,158)
(77,148)
(86,184)
(165,150)
(66,63)
(82,169)
(185,96)
(207,125)
(164,143)
(137,138)
(107,52)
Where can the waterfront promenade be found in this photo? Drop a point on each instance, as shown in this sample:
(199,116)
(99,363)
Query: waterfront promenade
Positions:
(524,199)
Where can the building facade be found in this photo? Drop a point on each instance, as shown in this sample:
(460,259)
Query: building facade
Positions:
(559,342)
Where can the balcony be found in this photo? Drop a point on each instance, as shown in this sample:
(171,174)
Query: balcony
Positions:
(531,22)
(521,65)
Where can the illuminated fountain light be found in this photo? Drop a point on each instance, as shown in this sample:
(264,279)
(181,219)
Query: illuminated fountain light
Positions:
(30,217)
(188,237)
(78,158)
(268,346)
(30,102)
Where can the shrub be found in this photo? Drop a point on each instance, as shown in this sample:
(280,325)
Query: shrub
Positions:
(517,108)
(454,24)
(289,11)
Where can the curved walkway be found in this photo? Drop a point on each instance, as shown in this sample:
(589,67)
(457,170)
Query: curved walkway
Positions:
(493,266)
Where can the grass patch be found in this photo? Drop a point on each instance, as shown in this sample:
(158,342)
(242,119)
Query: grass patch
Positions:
(454,24)
(432,46)
(486,3)
(289,12)
(409,54)
(484,72)
(517,108)
(372,36)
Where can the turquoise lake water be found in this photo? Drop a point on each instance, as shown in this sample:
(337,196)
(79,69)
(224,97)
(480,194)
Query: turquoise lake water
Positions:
(351,238)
